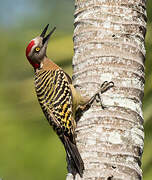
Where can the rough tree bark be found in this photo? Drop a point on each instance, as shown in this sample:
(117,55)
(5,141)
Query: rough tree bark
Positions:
(109,46)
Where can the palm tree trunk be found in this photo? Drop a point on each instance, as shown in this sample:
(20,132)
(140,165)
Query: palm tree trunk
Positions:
(109,46)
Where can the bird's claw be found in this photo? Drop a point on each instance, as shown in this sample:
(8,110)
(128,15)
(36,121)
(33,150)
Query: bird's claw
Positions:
(103,88)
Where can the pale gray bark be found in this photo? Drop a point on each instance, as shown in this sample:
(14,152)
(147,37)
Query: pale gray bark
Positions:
(109,46)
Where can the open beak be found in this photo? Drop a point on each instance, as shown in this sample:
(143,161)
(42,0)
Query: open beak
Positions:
(45,39)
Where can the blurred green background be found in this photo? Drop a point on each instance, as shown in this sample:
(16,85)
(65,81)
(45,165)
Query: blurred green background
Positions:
(29,149)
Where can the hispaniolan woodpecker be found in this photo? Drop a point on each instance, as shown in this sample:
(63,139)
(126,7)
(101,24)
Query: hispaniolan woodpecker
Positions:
(59,100)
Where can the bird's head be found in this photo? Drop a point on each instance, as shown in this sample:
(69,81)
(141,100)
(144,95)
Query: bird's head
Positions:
(36,49)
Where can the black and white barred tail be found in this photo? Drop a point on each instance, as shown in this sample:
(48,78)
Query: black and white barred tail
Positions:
(74,160)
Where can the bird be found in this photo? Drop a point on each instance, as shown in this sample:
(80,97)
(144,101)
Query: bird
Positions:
(61,103)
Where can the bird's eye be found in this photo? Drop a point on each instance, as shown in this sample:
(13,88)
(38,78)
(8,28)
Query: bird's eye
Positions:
(37,49)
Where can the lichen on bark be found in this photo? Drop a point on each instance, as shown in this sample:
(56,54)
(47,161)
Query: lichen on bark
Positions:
(109,46)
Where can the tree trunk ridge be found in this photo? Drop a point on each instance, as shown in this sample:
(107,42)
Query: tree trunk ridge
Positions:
(109,46)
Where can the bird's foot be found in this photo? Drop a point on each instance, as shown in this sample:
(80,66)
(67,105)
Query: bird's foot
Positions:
(103,88)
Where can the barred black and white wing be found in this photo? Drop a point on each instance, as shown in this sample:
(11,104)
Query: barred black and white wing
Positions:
(55,97)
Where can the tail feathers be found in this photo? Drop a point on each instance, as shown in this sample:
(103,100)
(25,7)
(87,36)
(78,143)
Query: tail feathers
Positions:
(73,156)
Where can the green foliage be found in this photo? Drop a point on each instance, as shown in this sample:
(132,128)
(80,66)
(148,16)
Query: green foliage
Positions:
(147,108)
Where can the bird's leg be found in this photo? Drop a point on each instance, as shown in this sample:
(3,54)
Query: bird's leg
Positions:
(97,96)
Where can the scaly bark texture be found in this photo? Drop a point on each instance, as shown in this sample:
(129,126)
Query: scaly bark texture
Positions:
(109,46)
